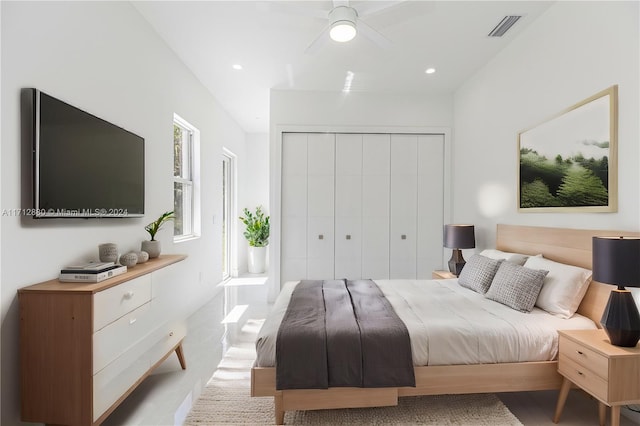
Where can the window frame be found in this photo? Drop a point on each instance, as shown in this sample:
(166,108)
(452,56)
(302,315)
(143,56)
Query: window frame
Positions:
(229,210)
(190,154)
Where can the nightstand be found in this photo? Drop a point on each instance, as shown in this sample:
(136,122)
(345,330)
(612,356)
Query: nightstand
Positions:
(442,275)
(609,373)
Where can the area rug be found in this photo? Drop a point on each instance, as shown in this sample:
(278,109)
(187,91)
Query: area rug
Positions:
(226,400)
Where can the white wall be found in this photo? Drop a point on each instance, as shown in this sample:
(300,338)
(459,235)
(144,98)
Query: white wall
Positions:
(254,187)
(572,51)
(104,58)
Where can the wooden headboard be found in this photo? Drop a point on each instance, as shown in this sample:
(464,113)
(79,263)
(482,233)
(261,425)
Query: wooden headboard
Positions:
(570,246)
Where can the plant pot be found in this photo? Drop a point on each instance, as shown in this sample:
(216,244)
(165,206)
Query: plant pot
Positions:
(151,247)
(257,259)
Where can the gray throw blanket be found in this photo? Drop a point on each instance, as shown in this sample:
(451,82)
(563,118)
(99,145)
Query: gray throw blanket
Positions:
(342,333)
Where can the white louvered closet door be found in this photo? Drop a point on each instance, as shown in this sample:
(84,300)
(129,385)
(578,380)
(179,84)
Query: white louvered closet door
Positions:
(320,205)
(293,265)
(375,205)
(348,207)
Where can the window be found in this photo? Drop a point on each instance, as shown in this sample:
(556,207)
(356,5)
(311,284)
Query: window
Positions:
(186,180)
(228,212)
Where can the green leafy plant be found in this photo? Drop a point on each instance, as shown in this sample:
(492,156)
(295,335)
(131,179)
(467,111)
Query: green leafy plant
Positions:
(156,225)
(257,231)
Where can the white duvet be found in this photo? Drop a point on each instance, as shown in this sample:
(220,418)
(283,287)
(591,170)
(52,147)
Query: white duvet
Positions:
(449,324)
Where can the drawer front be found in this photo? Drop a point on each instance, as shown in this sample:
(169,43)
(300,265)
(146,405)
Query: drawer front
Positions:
(115,339)
(115,379)
(170,335)
(580,355)
(584,378)
(114,302)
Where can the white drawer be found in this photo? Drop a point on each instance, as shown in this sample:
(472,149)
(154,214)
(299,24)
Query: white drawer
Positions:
(114,302)
(114,380)
(115,339)
(170,335)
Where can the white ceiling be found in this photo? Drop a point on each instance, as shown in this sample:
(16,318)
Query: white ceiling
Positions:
(269,40)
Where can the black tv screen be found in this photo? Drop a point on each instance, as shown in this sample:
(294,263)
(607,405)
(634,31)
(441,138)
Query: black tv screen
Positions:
(84,166)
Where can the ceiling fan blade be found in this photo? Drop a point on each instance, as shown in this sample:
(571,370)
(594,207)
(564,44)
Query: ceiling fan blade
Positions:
(372,7)
(373,35)
(319,41)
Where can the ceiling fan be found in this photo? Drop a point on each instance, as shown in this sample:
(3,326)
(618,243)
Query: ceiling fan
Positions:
(345,22)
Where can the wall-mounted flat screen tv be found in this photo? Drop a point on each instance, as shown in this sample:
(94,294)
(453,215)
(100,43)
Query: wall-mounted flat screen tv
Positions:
(83,166)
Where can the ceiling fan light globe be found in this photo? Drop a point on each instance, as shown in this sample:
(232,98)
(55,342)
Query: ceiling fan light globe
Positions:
(342,31)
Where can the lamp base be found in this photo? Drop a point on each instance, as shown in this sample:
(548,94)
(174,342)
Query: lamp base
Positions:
(621,319)
(457,262)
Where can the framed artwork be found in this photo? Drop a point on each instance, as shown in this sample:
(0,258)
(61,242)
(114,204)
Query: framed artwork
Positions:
(569,162)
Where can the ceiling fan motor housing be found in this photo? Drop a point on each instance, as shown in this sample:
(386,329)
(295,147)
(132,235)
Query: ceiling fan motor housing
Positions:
(341,17)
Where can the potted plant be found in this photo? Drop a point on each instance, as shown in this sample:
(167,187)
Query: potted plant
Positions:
(257,235)
(153,246)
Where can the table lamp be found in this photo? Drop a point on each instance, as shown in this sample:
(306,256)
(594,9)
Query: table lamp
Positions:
(616,260)
(458,237)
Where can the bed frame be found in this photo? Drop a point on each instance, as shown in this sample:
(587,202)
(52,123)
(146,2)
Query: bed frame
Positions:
(570,246)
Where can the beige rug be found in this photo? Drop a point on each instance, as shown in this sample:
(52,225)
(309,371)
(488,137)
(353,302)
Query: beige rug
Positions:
(226,400)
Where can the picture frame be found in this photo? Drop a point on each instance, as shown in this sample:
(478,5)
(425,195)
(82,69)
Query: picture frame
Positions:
(569,162)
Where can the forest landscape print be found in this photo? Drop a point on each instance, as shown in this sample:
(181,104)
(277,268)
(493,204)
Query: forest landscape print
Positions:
(569,162)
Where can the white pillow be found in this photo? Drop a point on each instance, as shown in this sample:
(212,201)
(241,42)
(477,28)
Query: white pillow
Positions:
(564,286)
(516,258)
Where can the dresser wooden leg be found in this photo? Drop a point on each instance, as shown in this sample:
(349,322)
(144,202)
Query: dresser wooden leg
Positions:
(615,415)
(562,398)
(180,354)
(602,413)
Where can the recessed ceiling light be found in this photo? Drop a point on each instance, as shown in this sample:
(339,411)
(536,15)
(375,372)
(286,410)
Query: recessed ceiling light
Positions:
(236,67)
(430,70)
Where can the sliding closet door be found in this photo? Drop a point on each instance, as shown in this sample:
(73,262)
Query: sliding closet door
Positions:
(404,206)
(430,204)
(293,264)
(348,208)
(375,205)
(320,205)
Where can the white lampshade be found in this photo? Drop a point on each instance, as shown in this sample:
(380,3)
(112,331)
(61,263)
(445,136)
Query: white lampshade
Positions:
(342,31)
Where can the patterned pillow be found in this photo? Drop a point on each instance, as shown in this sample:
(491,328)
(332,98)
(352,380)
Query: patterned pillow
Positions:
(478,273)
(516,286)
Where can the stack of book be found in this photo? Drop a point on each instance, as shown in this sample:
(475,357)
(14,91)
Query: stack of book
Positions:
(93,272)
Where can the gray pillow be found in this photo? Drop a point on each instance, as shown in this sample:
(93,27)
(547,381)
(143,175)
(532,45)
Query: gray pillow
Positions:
(516,286)
(478,273)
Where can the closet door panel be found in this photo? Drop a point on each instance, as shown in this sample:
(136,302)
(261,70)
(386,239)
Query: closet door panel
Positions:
(403,207)
(320,154)
(375,247)
(430,202)
(320,196)
(376,169)
(294,195)
(293,261)
(349,154)
(348,255)
(376,154)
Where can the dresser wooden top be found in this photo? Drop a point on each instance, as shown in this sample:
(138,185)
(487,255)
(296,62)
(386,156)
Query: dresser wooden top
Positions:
(56,286)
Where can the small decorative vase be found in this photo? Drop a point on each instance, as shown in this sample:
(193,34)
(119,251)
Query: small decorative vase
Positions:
(151,247)
(129,259)
(108,252)
(257,259)
(143,256)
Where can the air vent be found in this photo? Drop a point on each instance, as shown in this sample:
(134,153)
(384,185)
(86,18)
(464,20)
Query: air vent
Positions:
(504,25)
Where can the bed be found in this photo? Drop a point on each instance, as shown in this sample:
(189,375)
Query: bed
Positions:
(478,371)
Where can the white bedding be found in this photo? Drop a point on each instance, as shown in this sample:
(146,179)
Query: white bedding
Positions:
(449,324)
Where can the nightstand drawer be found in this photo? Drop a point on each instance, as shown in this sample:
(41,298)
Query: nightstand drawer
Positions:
(579,354)
(584,378)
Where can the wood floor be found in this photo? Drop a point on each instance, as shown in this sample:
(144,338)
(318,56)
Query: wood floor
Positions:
(536,408)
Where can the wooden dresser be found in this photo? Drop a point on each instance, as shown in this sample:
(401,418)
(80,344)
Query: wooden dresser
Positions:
(84,347)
